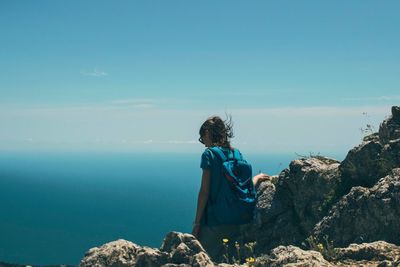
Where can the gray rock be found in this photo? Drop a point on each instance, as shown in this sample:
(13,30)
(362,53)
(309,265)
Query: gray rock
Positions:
(292,256)
(185,249)
(312,183)
(181,253)
(150,257)
(177,249)
(201,260)
(173,239)
(365,164)
(288,209)
(365,215)
(115,254)
(390,129)
(375,251)
(120,253)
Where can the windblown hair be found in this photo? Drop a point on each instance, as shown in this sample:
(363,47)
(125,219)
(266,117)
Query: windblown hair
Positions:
(220,131)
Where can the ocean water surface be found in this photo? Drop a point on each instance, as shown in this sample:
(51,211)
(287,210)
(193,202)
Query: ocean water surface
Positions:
(55,206)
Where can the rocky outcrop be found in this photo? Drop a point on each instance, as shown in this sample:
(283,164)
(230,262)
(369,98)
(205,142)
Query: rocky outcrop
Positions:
(183,247)
(377,253)
(292,256)
(316,203)
(389,130)
(288,209)
(378,154)
(178,249)
(116,253)
(365,214)
(299,203)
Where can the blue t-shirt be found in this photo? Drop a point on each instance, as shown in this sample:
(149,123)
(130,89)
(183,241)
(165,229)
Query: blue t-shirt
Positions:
(214,164)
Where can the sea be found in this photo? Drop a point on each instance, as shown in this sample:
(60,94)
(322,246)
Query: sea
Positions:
(55,206)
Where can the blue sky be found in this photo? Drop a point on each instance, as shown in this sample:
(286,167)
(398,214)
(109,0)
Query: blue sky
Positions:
(296,76)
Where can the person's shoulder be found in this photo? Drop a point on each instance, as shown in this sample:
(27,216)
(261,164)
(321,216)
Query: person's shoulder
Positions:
(207,153)
(207,150)
(206,159)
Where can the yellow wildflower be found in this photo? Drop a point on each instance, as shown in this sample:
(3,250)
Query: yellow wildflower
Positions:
(225,240)
(250,260)
(320,247)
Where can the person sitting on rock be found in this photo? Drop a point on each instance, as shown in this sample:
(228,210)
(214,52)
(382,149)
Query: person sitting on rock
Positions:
(212,227)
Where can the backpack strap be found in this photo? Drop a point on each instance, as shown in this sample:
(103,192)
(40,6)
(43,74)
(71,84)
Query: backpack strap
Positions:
(236,154)
(219,153)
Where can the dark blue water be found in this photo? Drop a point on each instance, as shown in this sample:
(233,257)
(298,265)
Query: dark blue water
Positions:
(55,206)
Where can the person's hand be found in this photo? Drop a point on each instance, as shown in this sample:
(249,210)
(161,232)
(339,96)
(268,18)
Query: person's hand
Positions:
(196,230)
(261,177)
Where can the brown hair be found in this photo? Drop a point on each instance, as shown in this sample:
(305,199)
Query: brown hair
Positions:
(220,131)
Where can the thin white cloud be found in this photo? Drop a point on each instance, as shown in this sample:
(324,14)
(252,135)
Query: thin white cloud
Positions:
(377,98)
(249,92)
(158,142)
(104,125)
(91,109)
(143,106)
(136,103)
(310,112)
(95,73)
(182,142)
(133,101)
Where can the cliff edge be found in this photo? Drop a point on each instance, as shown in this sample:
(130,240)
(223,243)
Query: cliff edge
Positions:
(316,212)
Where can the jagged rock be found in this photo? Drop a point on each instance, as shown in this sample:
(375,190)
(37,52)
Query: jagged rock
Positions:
(292,256)
(365,215)
(390,129)
(377,252)
(312,183)
(182,253)
(201,260)
(265,208)
(275,222)
(379,153)
(363,165)
(150,257)
(288,211)
(173,239)
(120,253)
(185,249)
(178,249)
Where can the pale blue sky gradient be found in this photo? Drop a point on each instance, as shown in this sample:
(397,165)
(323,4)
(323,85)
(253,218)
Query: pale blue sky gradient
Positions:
(143,75)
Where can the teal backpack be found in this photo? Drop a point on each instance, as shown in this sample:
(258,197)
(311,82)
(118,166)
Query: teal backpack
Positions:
(236,193)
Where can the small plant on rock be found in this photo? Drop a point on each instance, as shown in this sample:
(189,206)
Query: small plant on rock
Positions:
(368,128)
(225,256)
(250,261)
(327,250)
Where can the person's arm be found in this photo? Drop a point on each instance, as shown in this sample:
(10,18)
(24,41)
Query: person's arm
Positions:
(202,200)
(260,177)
